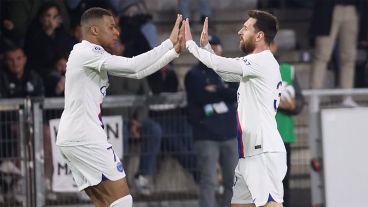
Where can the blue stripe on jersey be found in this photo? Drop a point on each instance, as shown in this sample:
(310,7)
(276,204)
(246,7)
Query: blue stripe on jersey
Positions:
(270,198)
(239,136)
(104,178)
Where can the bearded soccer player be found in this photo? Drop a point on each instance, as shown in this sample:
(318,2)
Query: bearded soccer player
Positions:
(262,157)
(95,166)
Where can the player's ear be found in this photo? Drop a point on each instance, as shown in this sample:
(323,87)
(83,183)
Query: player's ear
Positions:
(260,35)
(94,30)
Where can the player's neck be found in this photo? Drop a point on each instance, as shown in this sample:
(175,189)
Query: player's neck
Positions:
(91,39)
(261,48)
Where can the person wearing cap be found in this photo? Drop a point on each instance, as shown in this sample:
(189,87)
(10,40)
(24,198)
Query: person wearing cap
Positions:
(211,103)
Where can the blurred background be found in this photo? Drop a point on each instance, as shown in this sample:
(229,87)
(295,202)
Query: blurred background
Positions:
(322,48)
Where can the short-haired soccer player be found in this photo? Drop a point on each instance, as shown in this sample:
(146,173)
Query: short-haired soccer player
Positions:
(262,157)
(95,166)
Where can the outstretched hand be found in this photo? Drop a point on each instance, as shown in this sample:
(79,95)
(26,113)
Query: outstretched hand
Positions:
(188,34)
(175,31)
(180,45)
(204,35)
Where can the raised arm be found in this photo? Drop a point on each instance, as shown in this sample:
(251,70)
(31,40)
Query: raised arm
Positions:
(230,69)
(113,63)
(148,62)
(164,60)
(203,41)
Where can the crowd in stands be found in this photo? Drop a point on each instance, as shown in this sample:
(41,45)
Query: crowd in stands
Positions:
(37,36)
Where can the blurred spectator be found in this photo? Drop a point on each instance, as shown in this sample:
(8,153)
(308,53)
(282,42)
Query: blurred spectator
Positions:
(362,66)
(266,4)
(336,20)
(291,103)
(138,127)
(55,81)
(176,133)
(46,38)
(76,33)
(16,16)
(211,103)
(138,33)
(64,13)
(203,6)
(77,7)
(54,87)
(16,79)
(164,80)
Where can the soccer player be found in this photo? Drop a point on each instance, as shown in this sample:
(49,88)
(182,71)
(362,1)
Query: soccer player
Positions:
(95,166)
(262,158)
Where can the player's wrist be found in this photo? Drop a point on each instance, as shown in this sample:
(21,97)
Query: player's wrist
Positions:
(189,43)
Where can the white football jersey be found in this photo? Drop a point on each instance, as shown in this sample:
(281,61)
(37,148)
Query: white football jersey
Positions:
(258,97)
(86,82)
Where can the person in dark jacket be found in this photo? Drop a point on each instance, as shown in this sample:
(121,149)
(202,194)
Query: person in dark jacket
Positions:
(55,82)
(46,38)
(16,80)
(212,113)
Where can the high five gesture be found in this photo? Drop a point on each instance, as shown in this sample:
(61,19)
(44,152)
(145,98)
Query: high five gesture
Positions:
(204,35)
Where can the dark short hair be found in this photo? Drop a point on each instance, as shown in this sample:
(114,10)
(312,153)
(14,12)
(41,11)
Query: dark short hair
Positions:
(266,22)
(94,13)
(12,48)
(46,6)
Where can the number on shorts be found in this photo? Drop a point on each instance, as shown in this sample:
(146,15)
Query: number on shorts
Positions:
(112,152)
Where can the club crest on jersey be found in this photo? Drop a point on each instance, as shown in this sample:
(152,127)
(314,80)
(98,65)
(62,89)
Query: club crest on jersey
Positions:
(119,167)
(97,49)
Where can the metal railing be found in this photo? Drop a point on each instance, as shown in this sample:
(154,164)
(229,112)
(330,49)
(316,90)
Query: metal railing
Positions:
(25,122)
(16,167)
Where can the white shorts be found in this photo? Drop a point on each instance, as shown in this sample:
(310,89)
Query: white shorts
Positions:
(91,164)
(258,179)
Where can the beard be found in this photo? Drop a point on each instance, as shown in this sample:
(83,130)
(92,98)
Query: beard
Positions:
(247,46)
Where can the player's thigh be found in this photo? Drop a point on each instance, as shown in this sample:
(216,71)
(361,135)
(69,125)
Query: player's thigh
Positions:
(96,197)
(111,191)
(243,205)
(269,204)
